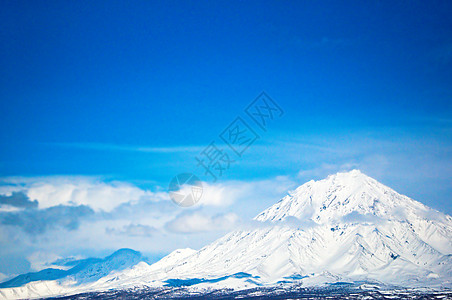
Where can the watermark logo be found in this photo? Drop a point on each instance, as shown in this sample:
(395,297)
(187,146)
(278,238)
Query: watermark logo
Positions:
(186,189)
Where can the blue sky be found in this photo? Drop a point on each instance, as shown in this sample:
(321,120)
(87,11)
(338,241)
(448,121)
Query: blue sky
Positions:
(115,97)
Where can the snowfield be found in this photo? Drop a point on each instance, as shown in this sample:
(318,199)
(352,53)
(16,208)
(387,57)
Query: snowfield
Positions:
(345,229)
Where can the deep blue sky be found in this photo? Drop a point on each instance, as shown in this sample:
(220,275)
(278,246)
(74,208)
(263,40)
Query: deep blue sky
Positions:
(103,102)
(80,78)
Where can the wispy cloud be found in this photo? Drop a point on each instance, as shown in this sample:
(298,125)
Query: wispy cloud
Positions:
(129,148)
(194,222)
(134,230)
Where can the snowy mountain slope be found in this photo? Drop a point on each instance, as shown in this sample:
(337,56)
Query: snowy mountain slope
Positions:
(118,261)
(345,228)
(331,200)
(86,270)
(46,274)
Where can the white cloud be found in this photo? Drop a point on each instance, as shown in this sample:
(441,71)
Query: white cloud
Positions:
(194,222)
(356,217)
(289,221)
(229,192)
(221,194)
(41,260)
(78,190)
(134,230)
(325,169)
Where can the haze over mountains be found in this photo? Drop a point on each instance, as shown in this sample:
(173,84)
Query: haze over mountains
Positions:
(345,228)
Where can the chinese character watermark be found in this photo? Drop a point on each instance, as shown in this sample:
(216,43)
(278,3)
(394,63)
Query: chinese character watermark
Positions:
(263,109)
(186,189)
(239,136)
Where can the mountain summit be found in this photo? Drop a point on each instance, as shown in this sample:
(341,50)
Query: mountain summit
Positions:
(345,228)
(354,196)
(330,199)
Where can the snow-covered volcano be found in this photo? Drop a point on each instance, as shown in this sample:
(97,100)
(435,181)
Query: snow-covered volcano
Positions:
(345,228)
